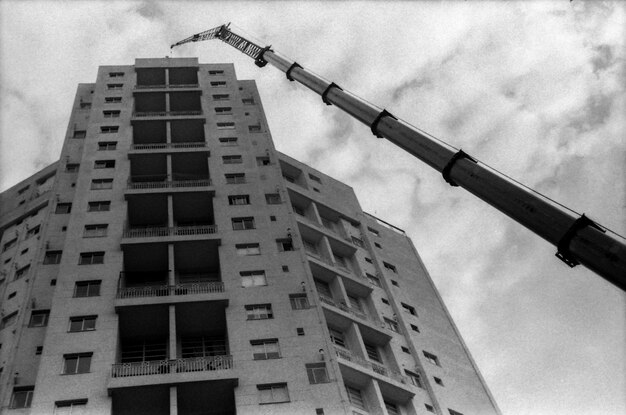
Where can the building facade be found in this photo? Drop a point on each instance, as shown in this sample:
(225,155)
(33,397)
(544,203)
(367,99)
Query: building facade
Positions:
(173,262)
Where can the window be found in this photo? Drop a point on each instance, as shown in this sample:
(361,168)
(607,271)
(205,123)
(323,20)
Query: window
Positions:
(358,242)
(11,295)
(323,288)
(39,318)
(315,189)
(52,257)
(319,411)
(300,331)
(248,249)
(431,358)
(112,100)
(337,337)
(111,114)
(79,134)
(53,282)
(299,301)
(221,97)
(216,72)
(82,323)
(373,231)
(377,245)
(252,278)
(8,320)
(317,373)
(85,105)
(273,393)
(109,129)
(73,407)
(284,245)
(394,282)
(9,245)
(392,408)
(22,190)
(114,86)
(409,309)
(405,349)
(232,159)
(248,101)
(87,288)
(23,251)
(77,363)
(390,267)
(354,303)
(372,352)
(235,178)
(414,378)
(21,272)
(22,397)
(225,125)
(228,141)
(39,350)
(32,232)
(273,218)
(368,260)
(355,398)
(95,231)
(429,408)
(91,258)
(216,84)
(239,200)
(384,301)
(259,311)
(315,178)
(240,224)
(223,110)
(415,328)
(265,349)
(453,412)
(101,184)
(285,268)
(254,128)
(116,74)
(392,325)
(107,145)
(104,164)
(273,198)
(72,167)
(63,208)
(263,161)
(373,280)
(438,381)
(102,206)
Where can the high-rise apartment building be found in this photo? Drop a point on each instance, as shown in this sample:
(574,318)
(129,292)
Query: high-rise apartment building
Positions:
(173,262)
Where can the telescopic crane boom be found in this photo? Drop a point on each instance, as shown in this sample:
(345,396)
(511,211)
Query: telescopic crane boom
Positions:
(579,240)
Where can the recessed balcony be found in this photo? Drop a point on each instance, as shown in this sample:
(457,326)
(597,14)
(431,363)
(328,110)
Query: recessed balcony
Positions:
(167,366)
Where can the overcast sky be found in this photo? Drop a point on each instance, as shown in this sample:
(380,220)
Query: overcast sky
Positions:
(535,89)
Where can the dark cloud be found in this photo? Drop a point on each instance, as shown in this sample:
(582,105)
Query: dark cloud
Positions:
(150,10)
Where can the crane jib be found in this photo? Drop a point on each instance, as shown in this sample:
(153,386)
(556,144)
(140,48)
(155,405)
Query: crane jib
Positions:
(242,44)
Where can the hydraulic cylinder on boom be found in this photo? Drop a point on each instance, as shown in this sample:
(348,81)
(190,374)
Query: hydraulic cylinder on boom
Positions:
(578,239)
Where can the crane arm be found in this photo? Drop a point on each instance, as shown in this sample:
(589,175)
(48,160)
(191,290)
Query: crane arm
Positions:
(578,239)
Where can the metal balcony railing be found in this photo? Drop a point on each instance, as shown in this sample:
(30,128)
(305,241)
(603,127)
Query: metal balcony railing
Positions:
(160,146)
(160,367)
(161,86)
(149,232)
(377,368)
(357,313)
(187,288)
(168,184)
(165,113)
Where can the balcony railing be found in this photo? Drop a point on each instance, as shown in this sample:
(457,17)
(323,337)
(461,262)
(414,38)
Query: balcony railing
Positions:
(187,288)
(159,146)
(161,86)
(380,369)
(159,367)
(357,313)
(149,232)
(165,113)
(168,184)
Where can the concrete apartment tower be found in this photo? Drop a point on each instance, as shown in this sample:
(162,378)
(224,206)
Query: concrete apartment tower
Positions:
(173,262)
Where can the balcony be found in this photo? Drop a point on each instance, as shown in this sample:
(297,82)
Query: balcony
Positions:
(140,114)
(187,288)
(381,370)
(164,86)
(161,231)
(160,367)
(168,146)
(134,184)
(357,313)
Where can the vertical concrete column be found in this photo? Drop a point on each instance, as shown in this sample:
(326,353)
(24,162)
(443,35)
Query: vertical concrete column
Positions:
(168,131)
(316,214)
(172,338)
(167,102)
(339,291)
(169,167)
(173,400)
(374,398)
(170,210)
(171,265)
(167,76)
(359,346)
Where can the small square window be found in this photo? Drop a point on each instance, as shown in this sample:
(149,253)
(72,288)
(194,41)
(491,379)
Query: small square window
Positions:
(373,231)
(77,363)
(39,350)
(284,245)
(415,328)
(239,200)
(315,178)
(438,381)
(409,309)
(405,349)
(385,301)
(21,272)
(273,198)
(263,161)
(52,257)
(22,190)
(273,218)
(390,267)
(63,208)
(11,295)
(39,318)
(317,373)
(394,282)
(319,411)
(240,224)
(72,167)
(285,268)
(300,331)
(315,189)
(53,282)
(377,245)
(107,145)
(369,260)
(431,358)
(80,134)
(299,301)
(248,101)
(91,258)
(453,412)
(254,128)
